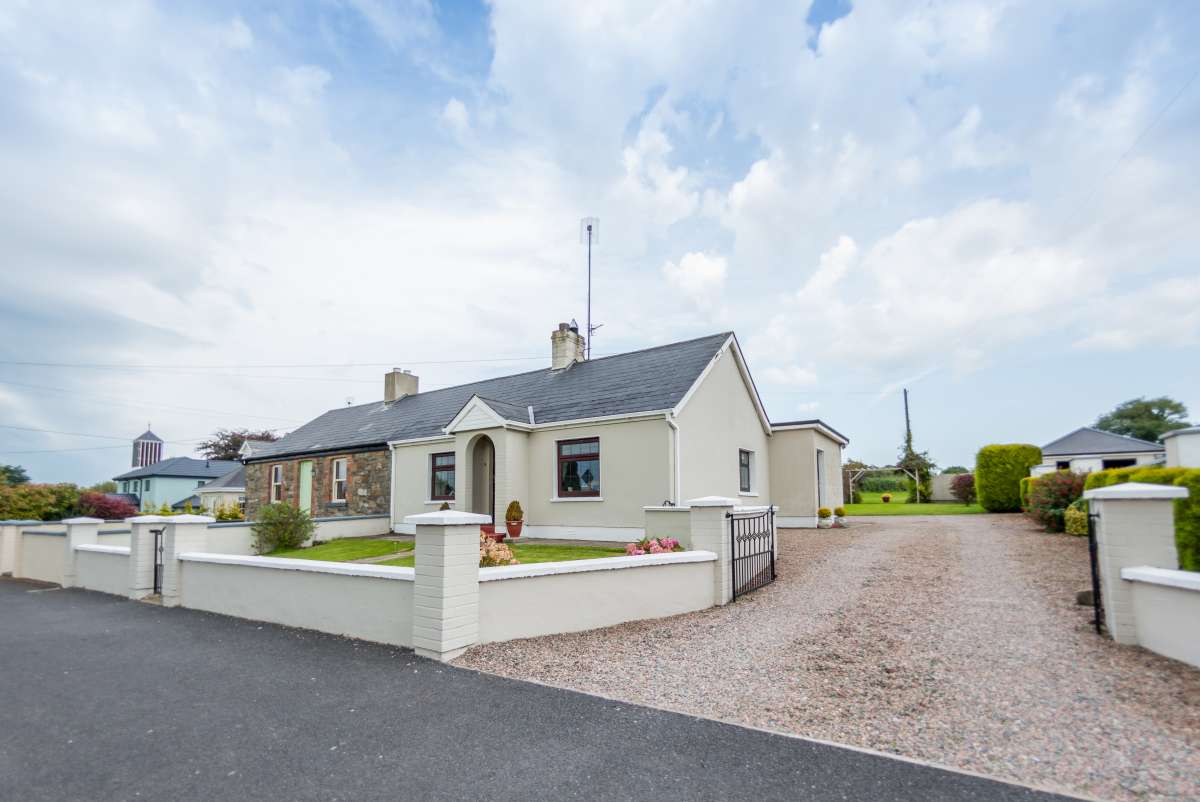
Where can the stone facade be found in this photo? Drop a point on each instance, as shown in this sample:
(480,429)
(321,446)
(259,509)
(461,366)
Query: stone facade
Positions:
(368,483)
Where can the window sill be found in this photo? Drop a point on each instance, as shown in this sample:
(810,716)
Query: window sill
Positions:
(580,498)
(440,501)
(341,503)
(748,495)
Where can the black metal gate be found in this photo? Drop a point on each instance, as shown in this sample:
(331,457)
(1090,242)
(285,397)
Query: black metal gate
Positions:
(158,559)
(752,548)
(1094,555)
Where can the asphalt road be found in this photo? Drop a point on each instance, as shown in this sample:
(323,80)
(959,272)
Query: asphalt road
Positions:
(105,699)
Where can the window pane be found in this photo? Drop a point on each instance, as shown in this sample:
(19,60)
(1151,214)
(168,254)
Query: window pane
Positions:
(579,476)
(443,484)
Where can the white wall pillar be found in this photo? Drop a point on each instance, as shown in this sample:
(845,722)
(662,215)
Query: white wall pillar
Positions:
(710,532)
(446,590)
(141,553)
(10,545)
(79,531)
(1135,527)
(184,533)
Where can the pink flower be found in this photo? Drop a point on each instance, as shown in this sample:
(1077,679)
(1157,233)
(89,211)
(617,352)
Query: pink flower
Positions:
(668,543)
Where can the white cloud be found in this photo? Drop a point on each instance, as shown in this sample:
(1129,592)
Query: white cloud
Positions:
(238,35)
(700,277)
(456,116)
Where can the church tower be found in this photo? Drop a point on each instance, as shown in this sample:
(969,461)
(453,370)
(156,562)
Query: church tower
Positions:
(147,449)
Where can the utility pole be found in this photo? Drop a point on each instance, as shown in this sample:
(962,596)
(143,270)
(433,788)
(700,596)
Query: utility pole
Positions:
(907,424)
(589,231)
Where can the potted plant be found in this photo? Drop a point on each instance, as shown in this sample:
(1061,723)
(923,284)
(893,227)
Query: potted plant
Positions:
(514,519)
(823,521)
(839,516)
(886,498)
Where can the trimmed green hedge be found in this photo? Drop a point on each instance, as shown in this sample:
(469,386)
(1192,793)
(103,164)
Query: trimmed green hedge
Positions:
(1187,510)
(999,470)
(1026,484)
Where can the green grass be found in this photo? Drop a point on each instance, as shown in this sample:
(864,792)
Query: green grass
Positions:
(345,549)
(527,553)
(872,505)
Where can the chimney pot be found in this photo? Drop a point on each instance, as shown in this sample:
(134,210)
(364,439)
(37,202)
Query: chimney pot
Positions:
(566,347)
(398,383)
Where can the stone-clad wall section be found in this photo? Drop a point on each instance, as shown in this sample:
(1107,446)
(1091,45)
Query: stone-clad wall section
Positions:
(369,480)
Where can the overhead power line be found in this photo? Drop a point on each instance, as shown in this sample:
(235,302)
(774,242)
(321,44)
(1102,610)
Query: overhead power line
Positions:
(176,365)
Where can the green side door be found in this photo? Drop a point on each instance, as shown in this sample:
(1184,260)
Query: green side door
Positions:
(305,494)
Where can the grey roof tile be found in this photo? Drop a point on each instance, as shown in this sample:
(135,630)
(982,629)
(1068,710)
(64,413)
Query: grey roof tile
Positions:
(235,478)
(183,467)
(1087,440)
(638,381)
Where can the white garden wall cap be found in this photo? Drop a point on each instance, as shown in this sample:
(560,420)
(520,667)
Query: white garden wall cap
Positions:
(1135,491)
(83,519)
(676,508)
(96,547)
(712,501)
(190,519)
(149,519)
(18,522)
(597,564)
(447,518)
(310,566)
(1188,580)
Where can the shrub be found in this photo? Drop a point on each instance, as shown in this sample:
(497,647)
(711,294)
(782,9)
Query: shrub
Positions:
(493,552)
(445,505)
(1075,521)
(231,512)
(1187,522)
(281,526)
(824,512)
(839,512)
(658,545)
(998,473)
(1158,475)
(1050,496)
(514,512)
(856,497)
(1026,483)
(886,498)
(39,502)
(962,487)
(883,484)
(98,505)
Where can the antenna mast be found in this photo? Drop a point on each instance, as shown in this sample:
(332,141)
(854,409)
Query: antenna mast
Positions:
(589,232)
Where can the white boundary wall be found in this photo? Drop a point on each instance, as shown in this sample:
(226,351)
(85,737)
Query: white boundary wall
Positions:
(1166,609)
(371,602)
(102,567)
(43,555)
(522,601)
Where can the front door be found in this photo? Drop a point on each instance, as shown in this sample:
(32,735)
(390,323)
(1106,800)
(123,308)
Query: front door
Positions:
(304,491)
(483,478)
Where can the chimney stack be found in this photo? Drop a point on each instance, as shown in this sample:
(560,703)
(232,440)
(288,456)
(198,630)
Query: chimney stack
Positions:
(398,383)
(566,346)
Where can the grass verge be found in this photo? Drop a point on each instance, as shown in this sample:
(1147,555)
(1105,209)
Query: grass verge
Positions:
(527,553)
(345,549)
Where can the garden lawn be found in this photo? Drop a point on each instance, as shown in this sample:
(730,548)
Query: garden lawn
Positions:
(345,549)
(527,553)
(872,505)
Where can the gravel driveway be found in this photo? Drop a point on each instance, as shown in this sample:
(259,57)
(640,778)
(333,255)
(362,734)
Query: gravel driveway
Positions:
(953,639)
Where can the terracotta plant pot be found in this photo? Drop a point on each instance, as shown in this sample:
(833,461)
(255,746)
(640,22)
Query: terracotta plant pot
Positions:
(488,529)
(514,528)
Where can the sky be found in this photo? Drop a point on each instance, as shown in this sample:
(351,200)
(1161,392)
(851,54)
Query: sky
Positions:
(241,215)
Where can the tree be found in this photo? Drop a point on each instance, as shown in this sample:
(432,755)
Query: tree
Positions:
(962,487)
(919,461)
(13,475)
(953,469)
(226,443)
(103,487)
(1145,418)
(98,505)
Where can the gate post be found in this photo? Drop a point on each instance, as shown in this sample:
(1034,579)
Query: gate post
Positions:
(141,553)
(10,545)
(184,533)
(79,531)
(446,583)
(1135,526)
(710,532)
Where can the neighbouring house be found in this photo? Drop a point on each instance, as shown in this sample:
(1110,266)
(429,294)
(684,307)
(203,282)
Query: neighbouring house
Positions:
(227,490)
(584,445)
(1183,447)
(1086,449)
(166,481)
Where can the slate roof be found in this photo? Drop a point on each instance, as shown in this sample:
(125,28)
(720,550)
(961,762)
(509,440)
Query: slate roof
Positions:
(638,381)
(811,422)
(183,468)
(235,479)
(182,503)
(128,498)
(1087,440)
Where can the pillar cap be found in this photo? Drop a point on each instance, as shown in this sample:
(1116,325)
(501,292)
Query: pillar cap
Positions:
(712,501)
(1135,491)
(447,518)
(148,519)
(83,519)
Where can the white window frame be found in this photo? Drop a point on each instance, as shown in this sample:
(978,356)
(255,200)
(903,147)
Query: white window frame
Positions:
(822,478)
(344,462)
(753,464)
(276,483)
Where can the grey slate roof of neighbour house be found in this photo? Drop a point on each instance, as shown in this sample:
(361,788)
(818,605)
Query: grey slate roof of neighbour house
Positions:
(183,468)
(233,480)
(182,503)
(638,381)
(810,422)
(1087,440)
(128,498)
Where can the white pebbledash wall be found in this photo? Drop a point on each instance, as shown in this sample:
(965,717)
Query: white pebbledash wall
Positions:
(1146,600)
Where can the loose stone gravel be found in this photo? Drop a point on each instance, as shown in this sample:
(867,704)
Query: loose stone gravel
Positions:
(953,639)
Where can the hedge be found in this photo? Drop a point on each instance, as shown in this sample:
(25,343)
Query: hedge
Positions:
(1026,483)
(999,470)
(1187,510)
